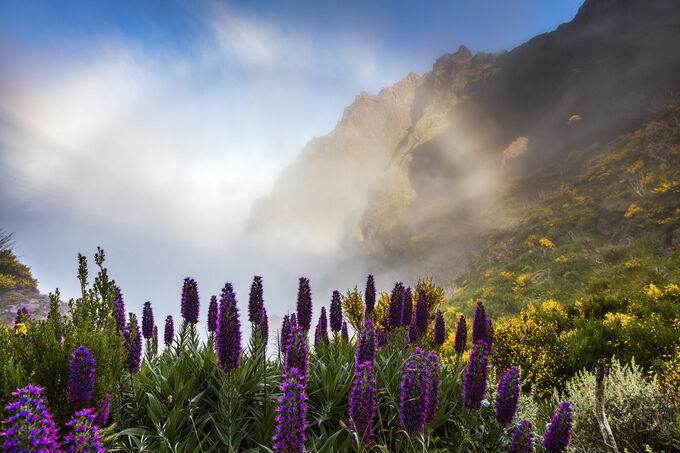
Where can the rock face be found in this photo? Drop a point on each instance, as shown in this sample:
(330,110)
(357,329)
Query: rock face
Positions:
(411,176)
(38,304)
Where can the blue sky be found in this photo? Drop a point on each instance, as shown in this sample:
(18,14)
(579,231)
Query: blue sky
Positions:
(149,127)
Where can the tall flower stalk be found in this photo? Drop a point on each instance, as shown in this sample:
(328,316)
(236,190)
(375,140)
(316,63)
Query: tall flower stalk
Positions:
(255,302)
(415,393)
(84,435)
(522,439)
(508,396)
(118,310)
(556,439)
(285,334)
(369,298)
(304,304)
(362,402)
(133,344)
(489,336)
(439,329)
(228,337)
(367,344)
(336,312)
(344,334)
(169,333)
(264,326)
(422,313)
(394,310)
(407,307)
(461,335)
(297,356)
(433,396)
(291,423)
(190,301)
(82,377)
(475,378)
(147,321)
(30,427)
(479,324)
(213,311)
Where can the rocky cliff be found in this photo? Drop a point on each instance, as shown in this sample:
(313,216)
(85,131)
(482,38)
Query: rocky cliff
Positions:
(412,176)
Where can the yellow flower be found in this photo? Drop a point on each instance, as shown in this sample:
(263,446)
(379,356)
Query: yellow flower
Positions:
(561,259)
(632,210)
(20,329)
(653,292)
(33,373)
(545,242)
(170,399)
(110,315)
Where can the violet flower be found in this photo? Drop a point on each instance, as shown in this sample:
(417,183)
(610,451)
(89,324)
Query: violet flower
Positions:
(228,337)
(407,307)
(367,344)
(133,344)
(304,304)
(82,376)
(255,301)
(84,435)
(362,402)
(336,312)
(30,427)
(213,309)
(475,378)
(439,329)
(344,334)
(522,439)
(169,331)
(422,313)
(507,396)
(479,324)
(394,311)
(433,396)
(461,335)
(118,310)
(415,391)
(289,436)
(264,326)
(296,358)
(556,439)
(369,298)
(285,334)
(147,321)
(190,301)
(103,409)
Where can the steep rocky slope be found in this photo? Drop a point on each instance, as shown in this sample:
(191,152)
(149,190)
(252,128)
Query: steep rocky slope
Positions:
(414,176)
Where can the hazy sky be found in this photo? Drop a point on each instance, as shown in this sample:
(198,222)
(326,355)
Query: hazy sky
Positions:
(149,127)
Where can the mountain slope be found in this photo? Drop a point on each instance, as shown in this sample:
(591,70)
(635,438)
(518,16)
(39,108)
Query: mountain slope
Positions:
(418,178)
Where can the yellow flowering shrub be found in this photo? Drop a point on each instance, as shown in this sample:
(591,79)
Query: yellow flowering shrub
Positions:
(623,319)
(521,282)
(506,275)
(632,210)
(561,259)
(382,306)
(353,308)
(7,281)
(653,292)
(545,242)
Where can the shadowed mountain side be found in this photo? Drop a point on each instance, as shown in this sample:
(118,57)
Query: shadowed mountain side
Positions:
(413,179)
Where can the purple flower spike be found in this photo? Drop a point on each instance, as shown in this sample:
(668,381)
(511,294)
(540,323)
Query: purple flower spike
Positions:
(362,402)
(407,307)
(22,315)
(133,344)
(422,313)
(415,391)
(522,440)
(118,311)
(433,396)
(291,419)
(476,374)
(304,304)
(413,331)
(394,312)
(228,338)
(190,301)
(213,309)
(556,438)
(84,435)
(370,298)
(255,301)
(297,352)
(30,427)
(323,319)
(320,337)
(439,329)
(81,383)
(344,333)
(169,330)
(147,321)
(264,326)
(293,320)
(367,344)
(508,396)
(461,335)
(285,334)
(103,409)
(336,312)
(479,324)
